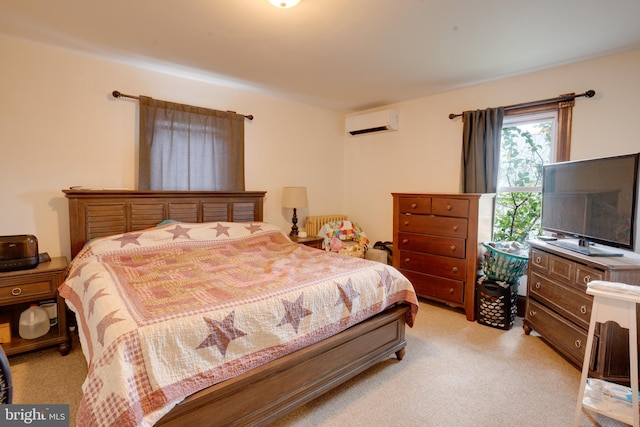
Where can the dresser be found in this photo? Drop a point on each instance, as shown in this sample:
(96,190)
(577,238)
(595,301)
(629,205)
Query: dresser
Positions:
(436,243)
(559,309)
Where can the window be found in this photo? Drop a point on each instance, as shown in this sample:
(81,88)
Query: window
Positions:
(189,148)
(531,137)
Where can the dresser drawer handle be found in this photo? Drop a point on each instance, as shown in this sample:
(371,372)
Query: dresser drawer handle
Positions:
(578,343)
(449,207)
(455,228)
(538,285)
(583,309)
(406,223)
(451,291)
(455,269)
(532,313)
(16,291)
(407,260)
(586,279)
(538,260)
(453,248)
(405,241)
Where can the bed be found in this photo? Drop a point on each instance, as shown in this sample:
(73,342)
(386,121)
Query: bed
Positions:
(120,238)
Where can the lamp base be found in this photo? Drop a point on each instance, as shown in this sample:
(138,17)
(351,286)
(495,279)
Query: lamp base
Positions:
(294,227)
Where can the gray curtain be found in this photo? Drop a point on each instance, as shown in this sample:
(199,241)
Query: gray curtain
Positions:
(183,147)
(481,135)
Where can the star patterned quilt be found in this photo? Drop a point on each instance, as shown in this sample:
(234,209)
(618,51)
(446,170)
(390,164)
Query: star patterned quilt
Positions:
(165,312)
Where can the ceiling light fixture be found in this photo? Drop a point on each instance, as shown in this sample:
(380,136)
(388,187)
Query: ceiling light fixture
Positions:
(284,4)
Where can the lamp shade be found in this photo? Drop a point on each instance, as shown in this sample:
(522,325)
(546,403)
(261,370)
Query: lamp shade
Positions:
(294,197)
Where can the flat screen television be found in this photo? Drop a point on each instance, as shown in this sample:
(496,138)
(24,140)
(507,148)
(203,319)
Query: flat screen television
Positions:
(591,201)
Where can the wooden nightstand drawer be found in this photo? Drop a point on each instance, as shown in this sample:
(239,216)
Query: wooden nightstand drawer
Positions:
(10,293)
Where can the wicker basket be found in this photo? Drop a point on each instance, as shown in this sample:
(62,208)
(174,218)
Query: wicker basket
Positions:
(503,266)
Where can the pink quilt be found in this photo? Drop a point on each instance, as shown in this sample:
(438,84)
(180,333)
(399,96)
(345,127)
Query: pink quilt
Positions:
(165,312)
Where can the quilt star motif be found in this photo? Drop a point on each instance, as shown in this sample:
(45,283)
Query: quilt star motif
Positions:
(128,238)
(179,231)
(295,313)
(347,295)
(222,333)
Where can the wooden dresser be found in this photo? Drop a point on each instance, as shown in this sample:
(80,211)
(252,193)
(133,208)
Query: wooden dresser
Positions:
(559,309)
(436,243)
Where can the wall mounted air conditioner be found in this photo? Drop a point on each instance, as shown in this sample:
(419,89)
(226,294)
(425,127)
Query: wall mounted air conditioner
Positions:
(377,121)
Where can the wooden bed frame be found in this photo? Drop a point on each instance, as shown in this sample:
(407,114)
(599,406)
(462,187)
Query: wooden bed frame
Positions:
(266,393)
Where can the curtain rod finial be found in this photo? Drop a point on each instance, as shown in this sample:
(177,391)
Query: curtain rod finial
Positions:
(116,94)
(590,93)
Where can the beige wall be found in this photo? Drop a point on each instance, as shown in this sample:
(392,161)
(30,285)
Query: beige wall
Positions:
(60,127)
(424,154)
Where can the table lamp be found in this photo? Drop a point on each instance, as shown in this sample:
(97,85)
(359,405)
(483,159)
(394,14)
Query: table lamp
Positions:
(294,197)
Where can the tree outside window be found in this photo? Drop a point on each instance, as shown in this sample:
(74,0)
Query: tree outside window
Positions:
(528,142)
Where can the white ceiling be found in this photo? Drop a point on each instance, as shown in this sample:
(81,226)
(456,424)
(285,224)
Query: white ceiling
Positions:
(344,55)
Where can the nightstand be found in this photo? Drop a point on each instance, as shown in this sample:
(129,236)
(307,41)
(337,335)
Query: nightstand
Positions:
(311,241)
(19,289)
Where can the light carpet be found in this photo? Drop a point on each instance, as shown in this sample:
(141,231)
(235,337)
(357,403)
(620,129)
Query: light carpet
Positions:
(454,373)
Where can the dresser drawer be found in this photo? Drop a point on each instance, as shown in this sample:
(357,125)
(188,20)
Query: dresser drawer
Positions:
(435,287)
(437,245)
(452,268)
(13,291)
(570,303)
(539,259)
(585,275)
(415,205)
(450,207)
(561,268)
(435,225)
(562,334)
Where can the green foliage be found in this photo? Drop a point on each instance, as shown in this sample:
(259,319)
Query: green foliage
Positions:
(517,216)
(523,152)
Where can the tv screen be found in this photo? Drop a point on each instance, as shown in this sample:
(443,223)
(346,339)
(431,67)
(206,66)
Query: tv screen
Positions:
(592,200)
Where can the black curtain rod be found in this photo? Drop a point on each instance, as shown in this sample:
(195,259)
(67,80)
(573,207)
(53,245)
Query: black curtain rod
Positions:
(563,98)
(117,94)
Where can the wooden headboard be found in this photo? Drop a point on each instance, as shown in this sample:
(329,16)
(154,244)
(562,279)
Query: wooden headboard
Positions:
(98,213)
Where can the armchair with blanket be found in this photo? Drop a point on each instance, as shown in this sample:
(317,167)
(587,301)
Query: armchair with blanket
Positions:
(343,236)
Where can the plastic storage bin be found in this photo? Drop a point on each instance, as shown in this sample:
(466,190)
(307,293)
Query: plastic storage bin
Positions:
(496,303)
(34,322)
